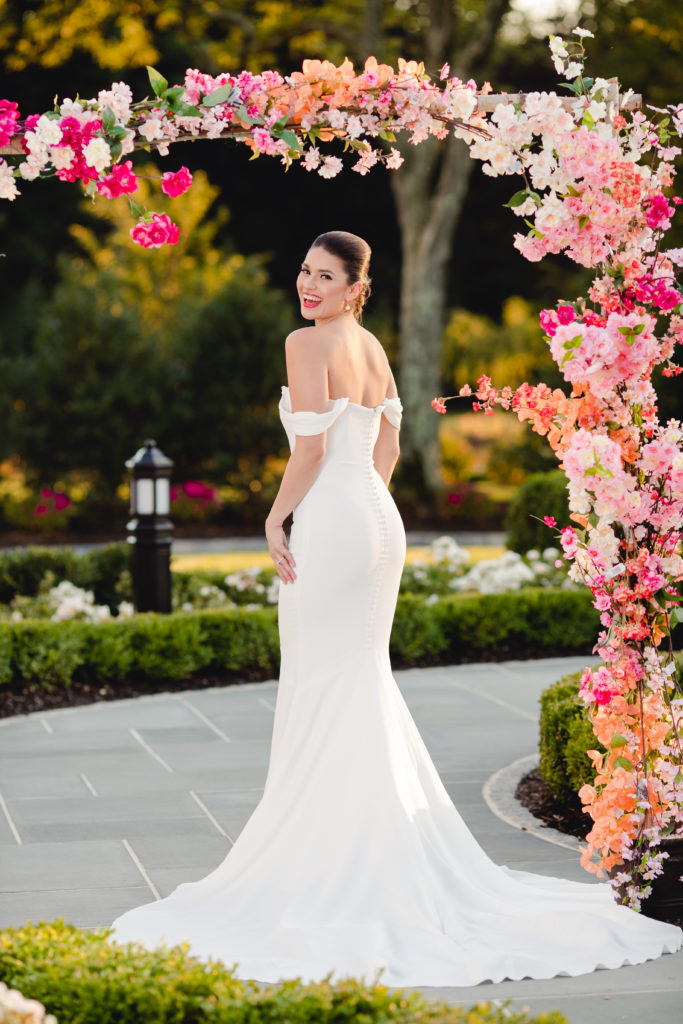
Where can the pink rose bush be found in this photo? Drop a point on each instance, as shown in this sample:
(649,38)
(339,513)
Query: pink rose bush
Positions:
(597,188)
(282,116)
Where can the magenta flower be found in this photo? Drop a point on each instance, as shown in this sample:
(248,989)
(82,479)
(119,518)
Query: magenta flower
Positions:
(157,231)
(550,520)
(174,183)
(120,182)
(9,116)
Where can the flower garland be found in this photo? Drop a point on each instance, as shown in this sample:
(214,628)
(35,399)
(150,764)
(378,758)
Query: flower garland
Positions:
(596,188)
(287,117)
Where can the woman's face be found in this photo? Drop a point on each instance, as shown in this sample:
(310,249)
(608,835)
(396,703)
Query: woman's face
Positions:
(323,286)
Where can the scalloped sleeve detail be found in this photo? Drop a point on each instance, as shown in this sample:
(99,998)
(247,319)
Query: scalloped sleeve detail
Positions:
(393,410)
(305,424)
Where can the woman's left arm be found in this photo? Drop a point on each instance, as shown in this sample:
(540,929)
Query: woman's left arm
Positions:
(307,377)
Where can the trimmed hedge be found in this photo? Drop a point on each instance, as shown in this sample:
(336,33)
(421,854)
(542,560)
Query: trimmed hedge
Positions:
(542,494)
(245,644)
(565,734)
(83,978)
(100,570)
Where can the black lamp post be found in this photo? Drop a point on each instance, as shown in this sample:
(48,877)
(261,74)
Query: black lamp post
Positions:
(150,530)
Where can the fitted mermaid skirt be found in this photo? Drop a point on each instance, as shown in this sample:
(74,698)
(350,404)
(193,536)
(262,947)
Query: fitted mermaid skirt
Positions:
(356,861)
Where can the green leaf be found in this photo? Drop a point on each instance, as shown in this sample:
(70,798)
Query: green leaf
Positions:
(572,191)
(157,81)
(583,220)
(588,82)
(676,615)
(573,342)
(219,95)
(517,199)
(587,119)
(598,469)
(184,109)
(175,92)
(639,328)
(567,359)
(115,148)
(136,209)
(292,139)
(617,741)
(387,135)
(623,762)
(108,119)
(244,115)
(625,330)
(533,230)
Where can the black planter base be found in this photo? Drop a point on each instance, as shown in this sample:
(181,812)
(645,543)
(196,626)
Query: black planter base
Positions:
(665,903)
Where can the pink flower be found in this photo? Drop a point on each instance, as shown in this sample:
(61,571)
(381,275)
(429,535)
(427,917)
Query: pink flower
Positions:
(658,212)
(550,520)
(438,405)
(120,182)
(566,314)
(157,231)
(465,390)
(175,184)
(9,117)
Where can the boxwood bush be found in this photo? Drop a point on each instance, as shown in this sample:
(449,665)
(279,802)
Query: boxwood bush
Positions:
(84,978)
(542,494)
(101,569)
(565,734)
(244,643)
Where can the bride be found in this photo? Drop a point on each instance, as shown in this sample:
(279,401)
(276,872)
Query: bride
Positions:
(355,859)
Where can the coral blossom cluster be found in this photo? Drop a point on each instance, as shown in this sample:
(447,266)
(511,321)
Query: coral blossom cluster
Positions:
(275,115)
(598,189)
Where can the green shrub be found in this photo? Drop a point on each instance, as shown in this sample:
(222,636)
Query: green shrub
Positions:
(164,646)
(543,494)
(245,642)
(83,978)
(241,643)
(565,734)
(103,570)
(47,653)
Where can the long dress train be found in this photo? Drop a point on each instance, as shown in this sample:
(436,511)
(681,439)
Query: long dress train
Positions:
(355,859)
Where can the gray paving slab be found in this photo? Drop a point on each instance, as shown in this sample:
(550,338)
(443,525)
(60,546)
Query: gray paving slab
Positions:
(106,797)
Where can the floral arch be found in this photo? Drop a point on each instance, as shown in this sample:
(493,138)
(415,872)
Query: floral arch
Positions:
(597,176)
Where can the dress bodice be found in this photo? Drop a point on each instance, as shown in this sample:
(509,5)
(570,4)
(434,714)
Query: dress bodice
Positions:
(352,429)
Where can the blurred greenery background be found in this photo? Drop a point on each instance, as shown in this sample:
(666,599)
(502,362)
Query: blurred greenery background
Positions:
(103,344)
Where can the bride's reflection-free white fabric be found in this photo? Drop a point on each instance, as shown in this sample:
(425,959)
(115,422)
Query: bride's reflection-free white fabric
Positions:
(356,859)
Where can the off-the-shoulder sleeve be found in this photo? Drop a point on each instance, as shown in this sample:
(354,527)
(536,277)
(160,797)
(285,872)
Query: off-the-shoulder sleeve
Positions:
(305,424)
(393,410)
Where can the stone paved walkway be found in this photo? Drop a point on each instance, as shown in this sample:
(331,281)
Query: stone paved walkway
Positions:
(107,806)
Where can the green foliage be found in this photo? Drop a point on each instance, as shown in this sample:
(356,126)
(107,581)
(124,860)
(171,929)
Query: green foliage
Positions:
(103,570)
(565,734)
(82,977)
(543,494)
(163,646)
(44,653)
(241,642)
(184,344)
(244,644)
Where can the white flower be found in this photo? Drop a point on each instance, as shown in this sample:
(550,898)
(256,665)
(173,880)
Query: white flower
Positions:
(71,108)
(583,33)
(97,154)
(331,167)
(462,103)
(62,156)
(152,129)
(336,118)
(126,610)
(118,98)
(596,110)
(312,158)
(48,130)
(573,69)
(29,170)
(8,184)
(557,47)
(395,160)
(354,127)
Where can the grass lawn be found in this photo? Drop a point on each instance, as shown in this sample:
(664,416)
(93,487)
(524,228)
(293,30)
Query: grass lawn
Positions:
(230,561)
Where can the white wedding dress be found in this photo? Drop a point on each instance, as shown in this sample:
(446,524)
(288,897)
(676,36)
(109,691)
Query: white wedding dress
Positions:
(356,859)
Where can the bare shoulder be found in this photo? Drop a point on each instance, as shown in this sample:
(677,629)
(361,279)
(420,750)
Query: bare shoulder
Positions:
(304,338)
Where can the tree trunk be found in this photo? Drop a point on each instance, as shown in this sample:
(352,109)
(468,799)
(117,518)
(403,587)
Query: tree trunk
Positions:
(427,222)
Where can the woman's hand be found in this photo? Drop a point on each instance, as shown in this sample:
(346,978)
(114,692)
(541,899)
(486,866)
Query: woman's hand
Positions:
(283,558)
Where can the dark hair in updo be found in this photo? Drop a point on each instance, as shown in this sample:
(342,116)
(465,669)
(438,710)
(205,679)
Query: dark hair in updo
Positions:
(355,253)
